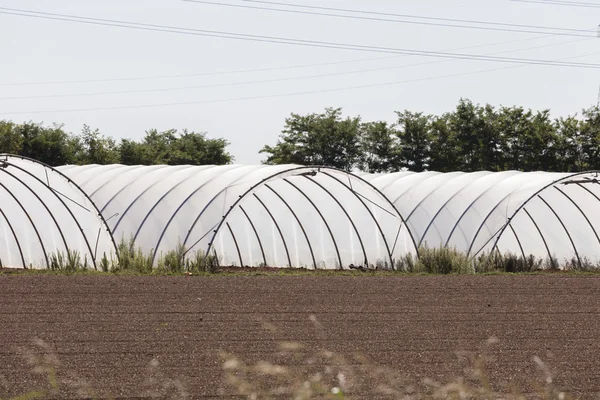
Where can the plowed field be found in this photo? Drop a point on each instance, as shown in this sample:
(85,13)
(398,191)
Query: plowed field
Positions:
(144,336)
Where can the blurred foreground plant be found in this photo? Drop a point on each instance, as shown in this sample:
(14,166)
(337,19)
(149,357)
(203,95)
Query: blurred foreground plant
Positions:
(303,371)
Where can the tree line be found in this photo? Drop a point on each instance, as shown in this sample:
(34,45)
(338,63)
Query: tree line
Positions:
(472,137)
(54,146)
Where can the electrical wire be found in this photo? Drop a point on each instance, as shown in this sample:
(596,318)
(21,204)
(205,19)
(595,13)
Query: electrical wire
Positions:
(300,42)
(455,21)
(561,3)
(283,95)
(243,71)
(287,79)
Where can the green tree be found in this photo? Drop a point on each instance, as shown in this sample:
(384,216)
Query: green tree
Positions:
(515,125)
(590,139)
(545,143)
(50,145)
(94,148)
(490,141)
(318,139)
(11,140)
(569,153)
(531,142)
(415,140)
(134,153)
(171,148)
(157,146)
(444,157)
(196,149)
(379,148)
(464,123)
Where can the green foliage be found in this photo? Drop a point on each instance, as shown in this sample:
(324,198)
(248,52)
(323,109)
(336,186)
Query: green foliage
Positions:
(171,148)
(414,141)
(200,262)
(318,139)
(444,261)
(173,261)
(11,141)
(470,138)
(132,259)
(378,147)
(53,146)
(431,261)
(69,262)
(510,263)
(105,264)
(180,260)
(93,148)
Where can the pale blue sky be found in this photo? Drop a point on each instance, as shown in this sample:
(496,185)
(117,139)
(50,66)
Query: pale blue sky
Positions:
(37,50)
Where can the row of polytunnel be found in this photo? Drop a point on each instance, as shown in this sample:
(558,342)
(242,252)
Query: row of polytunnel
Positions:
(289,215)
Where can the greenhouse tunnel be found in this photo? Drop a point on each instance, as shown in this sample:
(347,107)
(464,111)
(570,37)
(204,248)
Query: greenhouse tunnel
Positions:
(276,216)
(44,215)
(536,213)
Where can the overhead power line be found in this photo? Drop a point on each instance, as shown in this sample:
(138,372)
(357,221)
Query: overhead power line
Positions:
(287,79)
(262,97)
(561,3)
(243,71)
(443,22)
(295,42)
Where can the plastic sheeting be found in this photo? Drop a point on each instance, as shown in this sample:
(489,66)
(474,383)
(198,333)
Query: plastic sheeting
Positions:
(277,216)
(43,214)
(538,213)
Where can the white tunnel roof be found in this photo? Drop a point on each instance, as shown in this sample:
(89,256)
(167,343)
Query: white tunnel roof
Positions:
(283,215)
(295,216)
(537,213)
(43,213)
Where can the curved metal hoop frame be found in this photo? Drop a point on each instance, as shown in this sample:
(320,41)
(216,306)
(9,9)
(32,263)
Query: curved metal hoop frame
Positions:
(522,207)
(81,191)
(309,169)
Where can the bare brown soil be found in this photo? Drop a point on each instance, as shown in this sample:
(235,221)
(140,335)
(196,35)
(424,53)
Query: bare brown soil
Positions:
(105,331)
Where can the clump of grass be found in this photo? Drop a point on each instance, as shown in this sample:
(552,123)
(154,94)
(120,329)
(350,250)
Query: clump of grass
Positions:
(181,260)
(132,259)
(105,264)
(201,262)
(511,263)
(173,262)
(582,264)
(433,261)
(406,264)
(69,261)
(551,264)
(443,260)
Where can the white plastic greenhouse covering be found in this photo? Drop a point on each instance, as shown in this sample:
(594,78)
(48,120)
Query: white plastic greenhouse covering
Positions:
(275,216)
(44,214)
(293,216)
(538,213)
